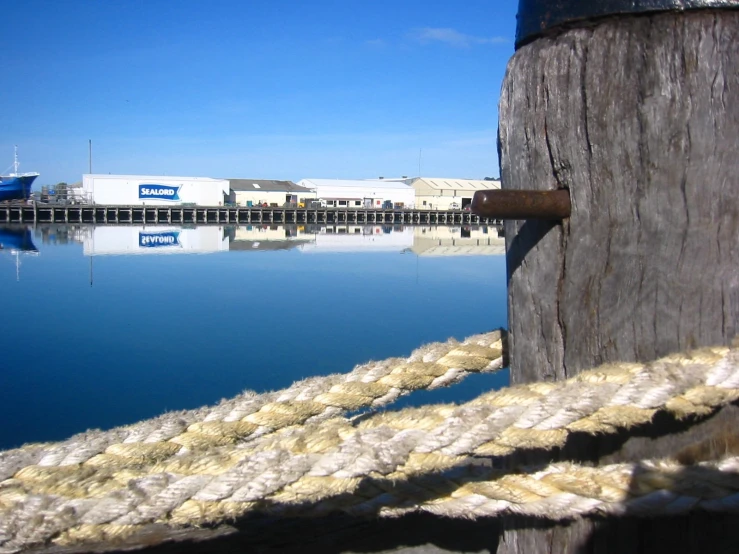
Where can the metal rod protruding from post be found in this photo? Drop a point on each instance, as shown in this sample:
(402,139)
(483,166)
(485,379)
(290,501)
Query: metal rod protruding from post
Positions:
(522,204)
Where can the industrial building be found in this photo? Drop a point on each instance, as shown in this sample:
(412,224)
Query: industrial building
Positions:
(446,194)
(140,239)
(152,190)
(467,240)
(360,238)
(251,238)
(419,192)
(424,241)
(362,193)
(148,190)
(270,193)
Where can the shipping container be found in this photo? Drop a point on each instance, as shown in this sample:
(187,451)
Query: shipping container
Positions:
(151,190)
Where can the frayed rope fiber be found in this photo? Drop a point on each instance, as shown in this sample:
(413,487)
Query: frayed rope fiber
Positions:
(387,463)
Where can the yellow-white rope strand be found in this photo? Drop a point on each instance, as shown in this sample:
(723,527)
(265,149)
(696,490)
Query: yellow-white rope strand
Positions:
(374,384)
(566,490)
(321,464)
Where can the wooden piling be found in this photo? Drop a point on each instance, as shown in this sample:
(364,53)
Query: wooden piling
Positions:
(637,116)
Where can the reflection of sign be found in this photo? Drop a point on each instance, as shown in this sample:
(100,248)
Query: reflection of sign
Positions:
(157,240)
(158,192)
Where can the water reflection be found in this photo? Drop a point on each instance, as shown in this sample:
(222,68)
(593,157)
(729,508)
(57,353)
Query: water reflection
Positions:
(17,242)
(422,240)
(158,333)
(18,239)
(139,239)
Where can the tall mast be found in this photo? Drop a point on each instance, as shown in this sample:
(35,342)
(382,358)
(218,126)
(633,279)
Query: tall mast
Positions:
(15,160)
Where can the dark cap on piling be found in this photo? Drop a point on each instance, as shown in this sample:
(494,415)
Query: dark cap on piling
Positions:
(537,16)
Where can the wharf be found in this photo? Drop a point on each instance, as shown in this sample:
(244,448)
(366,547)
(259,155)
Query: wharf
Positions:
(123,215)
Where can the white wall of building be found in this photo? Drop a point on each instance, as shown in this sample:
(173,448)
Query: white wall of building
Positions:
(152,190)
(458,240)
(269,197)
(445,194)
(140,239)
(359,193)
(360,238)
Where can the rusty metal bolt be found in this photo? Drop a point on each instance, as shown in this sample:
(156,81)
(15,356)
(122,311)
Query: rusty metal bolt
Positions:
(522,204)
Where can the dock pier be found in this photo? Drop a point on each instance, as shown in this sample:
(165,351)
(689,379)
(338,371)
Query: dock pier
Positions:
(203,215)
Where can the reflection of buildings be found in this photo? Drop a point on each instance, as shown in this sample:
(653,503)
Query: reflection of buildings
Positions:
(360,238)
(423,240)
(312,239)
(139,239)
(468,240)
(267,237)
(62,233)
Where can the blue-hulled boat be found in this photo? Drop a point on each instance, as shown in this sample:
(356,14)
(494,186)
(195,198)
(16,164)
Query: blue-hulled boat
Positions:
(16,186)
(16,239)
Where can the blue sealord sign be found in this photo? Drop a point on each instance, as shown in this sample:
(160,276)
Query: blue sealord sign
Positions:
(158,192)
(158,240)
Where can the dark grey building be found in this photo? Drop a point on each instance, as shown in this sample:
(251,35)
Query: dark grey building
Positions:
(254,192)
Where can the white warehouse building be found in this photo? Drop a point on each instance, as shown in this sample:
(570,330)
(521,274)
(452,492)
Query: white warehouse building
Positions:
(362,193)
(153,190)
(141,239)
(445,194)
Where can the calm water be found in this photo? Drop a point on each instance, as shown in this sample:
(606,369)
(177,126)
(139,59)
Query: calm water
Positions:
(104,326)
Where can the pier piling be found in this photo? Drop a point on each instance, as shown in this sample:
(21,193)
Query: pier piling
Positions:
(217,215)
(630,107)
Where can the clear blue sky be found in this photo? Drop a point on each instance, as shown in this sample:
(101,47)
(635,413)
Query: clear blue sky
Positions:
(259,88)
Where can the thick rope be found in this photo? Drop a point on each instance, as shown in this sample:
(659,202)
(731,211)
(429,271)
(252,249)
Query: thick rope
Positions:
(565,490)
(374,384)
(323,465)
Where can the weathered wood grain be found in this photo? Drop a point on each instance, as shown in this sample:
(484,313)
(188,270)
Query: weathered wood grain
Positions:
(638,117)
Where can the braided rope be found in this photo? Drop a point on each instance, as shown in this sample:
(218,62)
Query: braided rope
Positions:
(250,415)
(322,464)
(565,490)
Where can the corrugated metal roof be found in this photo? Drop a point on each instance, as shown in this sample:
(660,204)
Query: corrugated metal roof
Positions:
(357,183)
(265,184)
(457,184)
